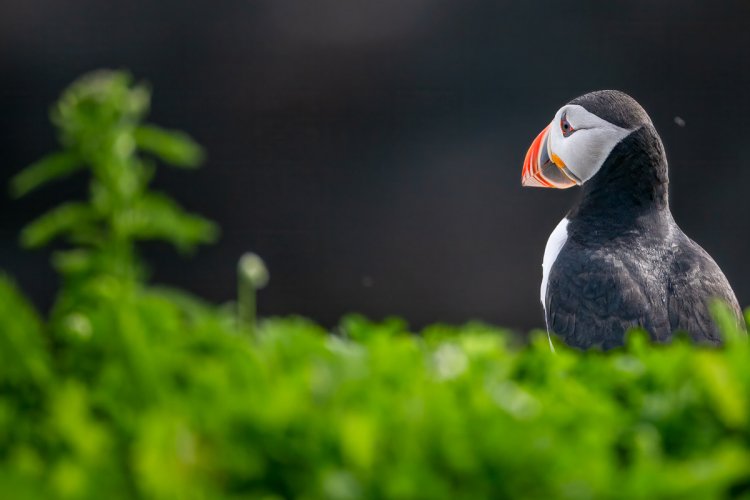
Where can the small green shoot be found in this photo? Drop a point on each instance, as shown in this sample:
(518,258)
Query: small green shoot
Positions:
(252,275)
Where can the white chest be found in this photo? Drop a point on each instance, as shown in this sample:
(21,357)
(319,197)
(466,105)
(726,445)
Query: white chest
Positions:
(554,244)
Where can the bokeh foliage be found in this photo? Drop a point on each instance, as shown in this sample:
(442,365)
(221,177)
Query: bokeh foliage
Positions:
(134,391)
(99,120)
(147,401)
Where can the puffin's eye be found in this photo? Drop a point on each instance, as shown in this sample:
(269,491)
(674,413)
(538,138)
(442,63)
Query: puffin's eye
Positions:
(565,126)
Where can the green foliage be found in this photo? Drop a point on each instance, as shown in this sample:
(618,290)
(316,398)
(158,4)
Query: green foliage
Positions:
(136,391)
(99,122)
(145,400)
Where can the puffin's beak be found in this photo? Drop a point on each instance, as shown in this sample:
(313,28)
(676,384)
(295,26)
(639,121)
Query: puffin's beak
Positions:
(539,170)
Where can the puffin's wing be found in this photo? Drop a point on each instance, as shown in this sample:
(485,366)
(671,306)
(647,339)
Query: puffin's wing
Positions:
(695,281)
(592,298)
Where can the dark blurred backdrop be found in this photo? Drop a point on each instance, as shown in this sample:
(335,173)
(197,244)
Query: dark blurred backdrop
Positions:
(371,151)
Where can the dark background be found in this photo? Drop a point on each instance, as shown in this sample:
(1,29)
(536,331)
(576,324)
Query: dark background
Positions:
(371,151)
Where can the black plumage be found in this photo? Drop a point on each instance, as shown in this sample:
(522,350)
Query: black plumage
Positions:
(625,262)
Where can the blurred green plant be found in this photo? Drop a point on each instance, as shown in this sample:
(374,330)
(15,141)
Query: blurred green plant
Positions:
(252,275)
(135,391)
(99,120)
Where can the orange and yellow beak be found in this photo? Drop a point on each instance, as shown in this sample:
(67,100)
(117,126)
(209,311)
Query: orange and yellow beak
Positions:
(541,168)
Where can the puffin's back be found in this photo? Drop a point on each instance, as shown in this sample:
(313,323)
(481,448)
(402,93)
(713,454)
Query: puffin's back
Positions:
(696,277)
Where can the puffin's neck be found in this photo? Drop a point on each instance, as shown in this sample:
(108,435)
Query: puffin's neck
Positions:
(631,183)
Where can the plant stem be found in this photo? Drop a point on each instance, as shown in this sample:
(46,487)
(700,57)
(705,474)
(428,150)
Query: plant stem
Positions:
(246,305)
(252,275)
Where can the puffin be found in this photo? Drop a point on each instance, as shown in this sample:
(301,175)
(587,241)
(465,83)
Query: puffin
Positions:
(618,260)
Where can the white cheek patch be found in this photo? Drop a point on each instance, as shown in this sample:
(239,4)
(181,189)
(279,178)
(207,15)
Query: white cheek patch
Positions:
(585,150)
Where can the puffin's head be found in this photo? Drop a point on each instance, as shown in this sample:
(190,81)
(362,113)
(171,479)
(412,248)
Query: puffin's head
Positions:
(583,133)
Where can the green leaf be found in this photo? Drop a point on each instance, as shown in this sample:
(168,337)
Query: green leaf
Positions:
(22,350)
(156,216)
(724,389)
(74,218)
(49,168)
(173,147)
(72,261)
(183,300)
(729,324)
